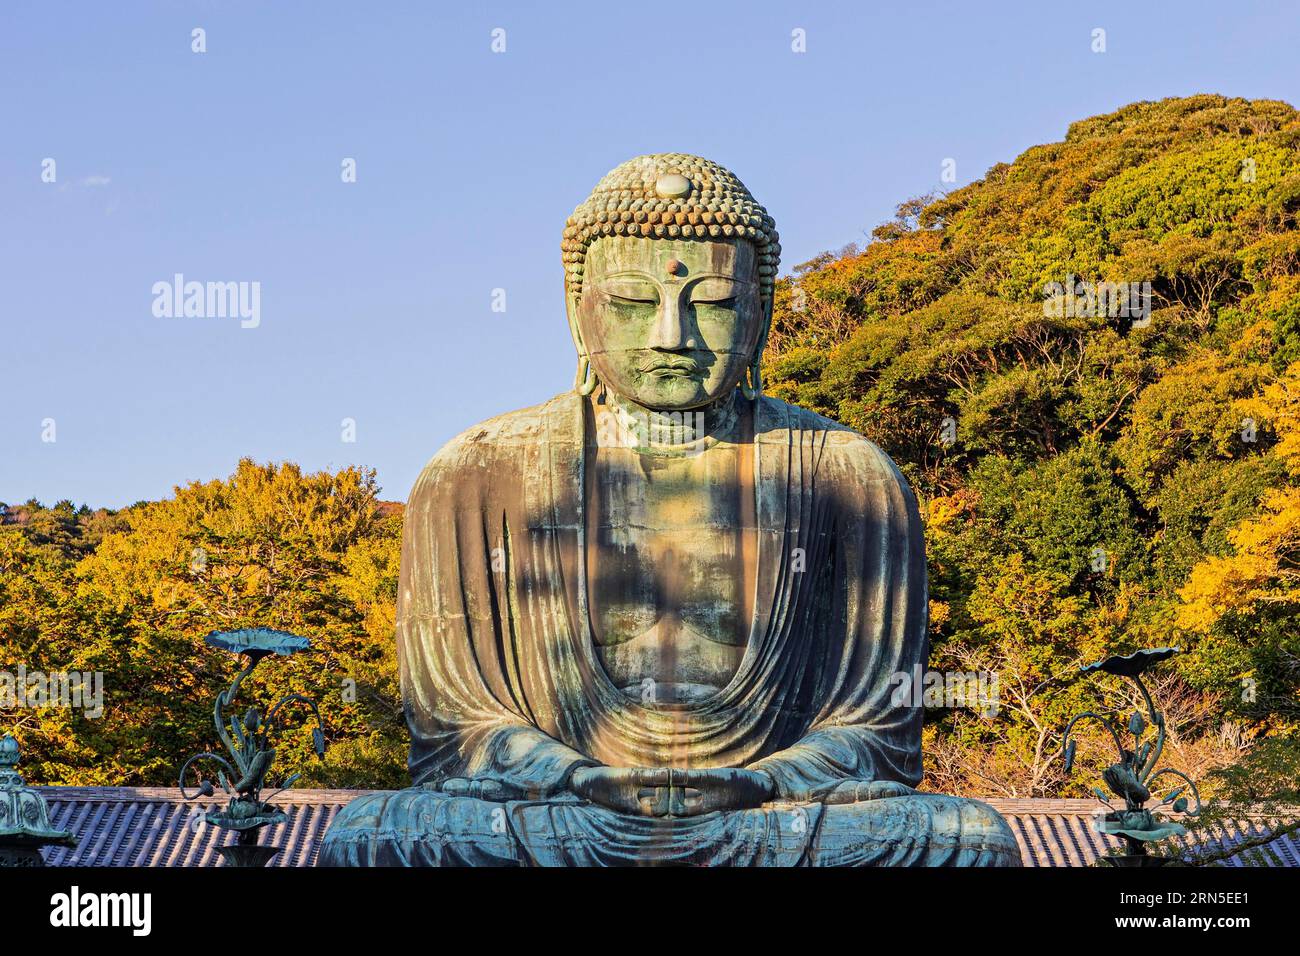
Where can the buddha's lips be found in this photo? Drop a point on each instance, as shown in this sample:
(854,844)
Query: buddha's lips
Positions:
(672,366)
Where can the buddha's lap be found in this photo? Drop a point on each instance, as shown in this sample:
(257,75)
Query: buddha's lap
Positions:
(919,818)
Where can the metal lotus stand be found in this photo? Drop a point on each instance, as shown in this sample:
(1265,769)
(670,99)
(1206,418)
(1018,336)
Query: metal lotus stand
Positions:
(24,817)
(250,748)
(1132,776)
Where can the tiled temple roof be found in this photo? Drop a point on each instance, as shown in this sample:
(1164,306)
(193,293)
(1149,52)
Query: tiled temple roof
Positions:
(153,826)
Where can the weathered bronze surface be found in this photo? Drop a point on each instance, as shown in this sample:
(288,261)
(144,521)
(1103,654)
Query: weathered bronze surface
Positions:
(655,620)
(251,745)
(1132,778)
(24,817)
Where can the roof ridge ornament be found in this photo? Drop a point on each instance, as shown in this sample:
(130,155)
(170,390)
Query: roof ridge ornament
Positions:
(24,816)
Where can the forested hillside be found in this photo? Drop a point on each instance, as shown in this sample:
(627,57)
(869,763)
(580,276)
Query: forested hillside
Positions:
(132,594)
(1093,479)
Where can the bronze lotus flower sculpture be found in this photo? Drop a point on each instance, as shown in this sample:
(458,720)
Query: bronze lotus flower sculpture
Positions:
(257,642)
(1132,776)
(250,745)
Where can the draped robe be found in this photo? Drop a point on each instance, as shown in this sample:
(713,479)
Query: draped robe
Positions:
(501,680)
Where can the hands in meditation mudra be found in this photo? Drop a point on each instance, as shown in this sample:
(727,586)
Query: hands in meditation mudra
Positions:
(654,620)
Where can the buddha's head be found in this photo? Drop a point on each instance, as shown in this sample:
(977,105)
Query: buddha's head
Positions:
(669,266)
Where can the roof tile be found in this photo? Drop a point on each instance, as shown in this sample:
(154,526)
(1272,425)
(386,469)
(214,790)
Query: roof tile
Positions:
(154,826)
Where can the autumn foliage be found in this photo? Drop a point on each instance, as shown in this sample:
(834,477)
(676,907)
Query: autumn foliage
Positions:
(1092,482)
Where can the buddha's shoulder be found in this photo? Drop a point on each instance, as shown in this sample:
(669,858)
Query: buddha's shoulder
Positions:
(523,426)
(774,413)
(499,440)
(840,446)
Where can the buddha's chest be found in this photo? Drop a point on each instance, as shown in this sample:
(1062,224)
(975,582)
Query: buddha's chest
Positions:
(668,561)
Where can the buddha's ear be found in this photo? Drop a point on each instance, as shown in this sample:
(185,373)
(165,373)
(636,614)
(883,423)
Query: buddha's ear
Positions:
(571,300)
(751,380)
(765,304)
(584,382)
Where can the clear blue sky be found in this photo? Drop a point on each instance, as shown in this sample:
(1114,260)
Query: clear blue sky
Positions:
(376,296)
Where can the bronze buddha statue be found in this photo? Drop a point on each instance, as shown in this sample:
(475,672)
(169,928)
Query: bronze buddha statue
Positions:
(656,620)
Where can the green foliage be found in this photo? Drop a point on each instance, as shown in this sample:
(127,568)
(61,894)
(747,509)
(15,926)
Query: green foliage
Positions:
(131,595)
(1094,467)
(1090,484)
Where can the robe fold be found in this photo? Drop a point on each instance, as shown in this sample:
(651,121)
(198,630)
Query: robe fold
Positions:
(499,672)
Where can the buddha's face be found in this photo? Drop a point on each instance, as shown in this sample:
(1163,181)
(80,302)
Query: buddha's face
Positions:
(670,324)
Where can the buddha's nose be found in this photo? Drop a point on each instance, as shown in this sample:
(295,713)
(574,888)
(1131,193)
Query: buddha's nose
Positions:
(671,332)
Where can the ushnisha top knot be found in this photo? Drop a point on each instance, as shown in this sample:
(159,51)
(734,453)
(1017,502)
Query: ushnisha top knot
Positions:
(671,196)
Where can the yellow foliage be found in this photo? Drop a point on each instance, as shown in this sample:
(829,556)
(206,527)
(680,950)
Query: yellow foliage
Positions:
(944,510)
(1265,565)
(940,614)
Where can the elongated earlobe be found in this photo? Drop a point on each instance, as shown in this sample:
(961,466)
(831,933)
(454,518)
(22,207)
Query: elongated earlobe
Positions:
(751,386)
(585,382)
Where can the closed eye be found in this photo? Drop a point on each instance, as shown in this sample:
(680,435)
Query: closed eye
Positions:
(716,290)
(631,291)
